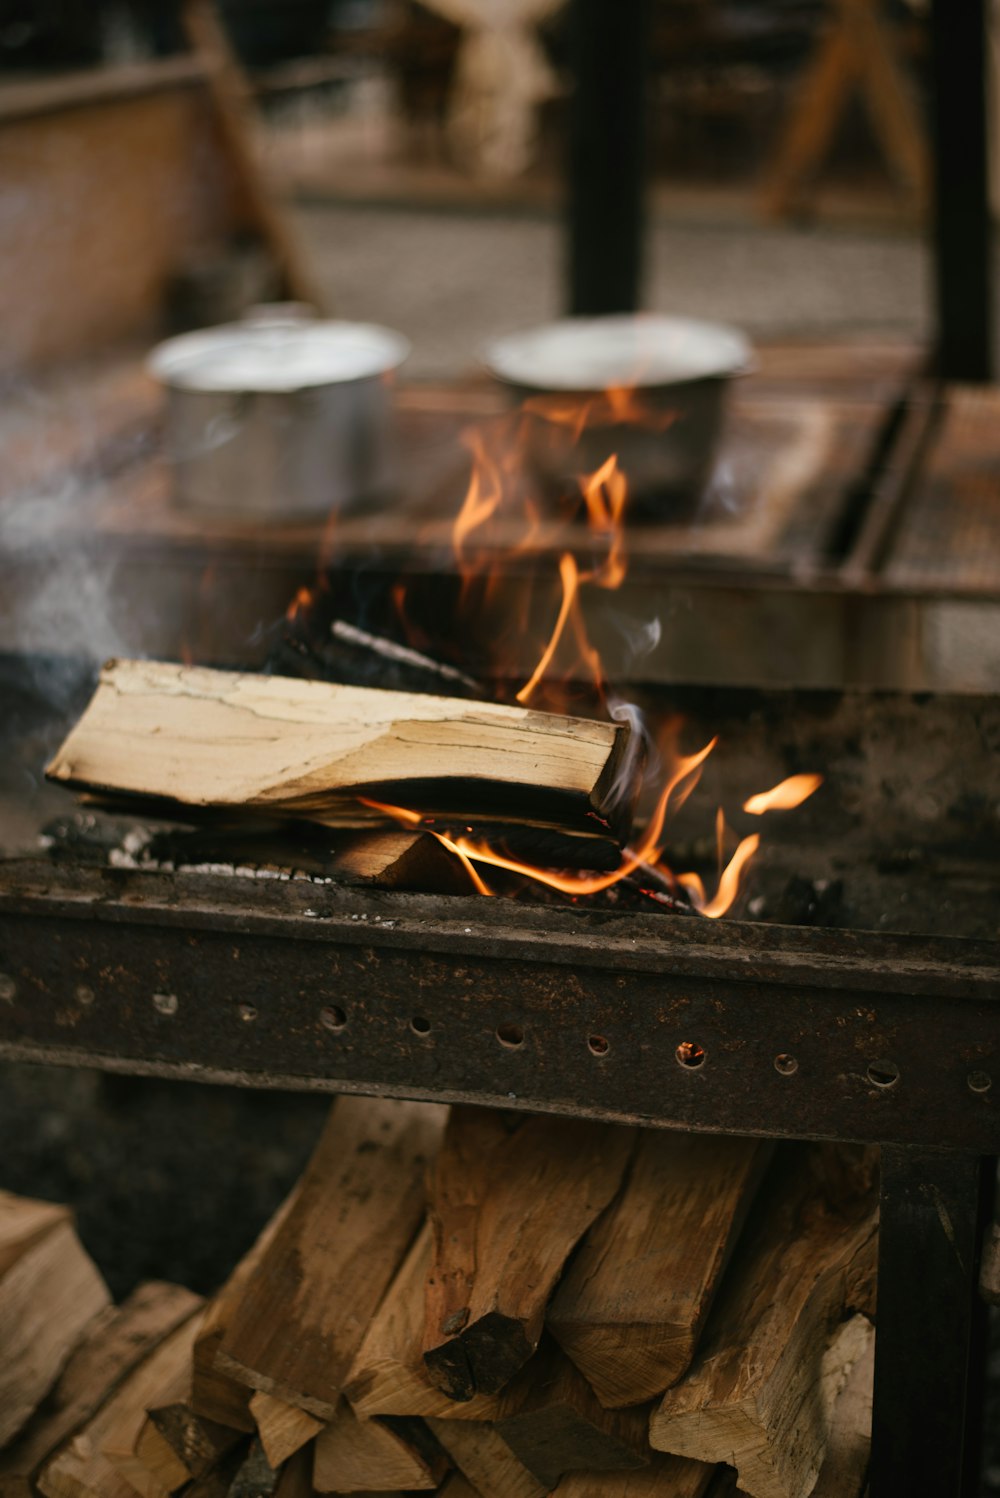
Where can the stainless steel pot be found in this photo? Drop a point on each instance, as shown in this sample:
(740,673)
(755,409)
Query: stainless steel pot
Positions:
(280,417)
(652,390)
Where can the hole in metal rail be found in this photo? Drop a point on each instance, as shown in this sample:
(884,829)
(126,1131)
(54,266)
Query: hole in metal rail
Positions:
(979,1081)
(690,1054)
(785,1064)
(883,1073)
(332,1017)
(598,1045)
(510,1035)
(419,1025)
(165,1003)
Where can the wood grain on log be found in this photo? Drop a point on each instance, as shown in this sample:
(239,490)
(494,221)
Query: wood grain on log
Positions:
(507,1216)
(379,1455)
(50,1290)
(554,1423)
(215,1394)
(632,1304)
(100,1461)
(218,738)
(388,1376)
(754,1394)
(307,1306)
(484,1457)
(116,1341)
(283,1428)
(665,1477)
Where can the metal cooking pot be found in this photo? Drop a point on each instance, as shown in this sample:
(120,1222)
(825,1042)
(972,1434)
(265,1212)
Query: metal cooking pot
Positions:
(650,389)
(280,417)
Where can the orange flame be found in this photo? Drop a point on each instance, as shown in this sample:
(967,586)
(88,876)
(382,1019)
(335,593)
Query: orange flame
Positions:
(482,498)
(570,585)
(605,493)
(729,881)
(498,521)
(790,793)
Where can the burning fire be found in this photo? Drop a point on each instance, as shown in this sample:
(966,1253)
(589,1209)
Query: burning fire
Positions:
(499,521)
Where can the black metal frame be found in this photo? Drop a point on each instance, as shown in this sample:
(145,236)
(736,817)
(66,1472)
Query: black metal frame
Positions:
(798,1033)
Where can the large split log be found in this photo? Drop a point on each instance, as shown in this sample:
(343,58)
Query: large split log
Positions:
(99,1462)
(554,1423)
(116,1342)
(215,738)
(754,1396)
(507,1209)
(665,1477)
(377,1456)
(215,1394)
(632,1304)
(305,1310)
(50,1289)
(484,1457)
(388,1376)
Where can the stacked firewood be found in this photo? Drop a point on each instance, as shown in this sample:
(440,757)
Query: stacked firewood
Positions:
(474,1302)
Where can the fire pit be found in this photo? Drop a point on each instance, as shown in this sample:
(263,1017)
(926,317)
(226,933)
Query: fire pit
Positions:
(875,1022)
(850,995)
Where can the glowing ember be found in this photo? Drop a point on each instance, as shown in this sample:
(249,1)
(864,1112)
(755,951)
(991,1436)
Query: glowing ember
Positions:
(790,793)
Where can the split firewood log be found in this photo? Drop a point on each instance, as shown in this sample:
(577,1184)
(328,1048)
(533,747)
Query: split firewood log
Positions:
(754,1396)
(848,1448)
(484,1457)
(100,1460)
(117,1340)
(665,1477)
(554,1423)
(306,748)
(375,1456)
(283,1428)
(305,1309)
(296,1479)
(389,1376)
(215,1394)
(50,1290)
(507,1210)
(632,1304)
(175,1442)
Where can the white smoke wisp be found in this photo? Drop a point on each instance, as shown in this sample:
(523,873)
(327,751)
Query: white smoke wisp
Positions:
(641,762)
(57,607)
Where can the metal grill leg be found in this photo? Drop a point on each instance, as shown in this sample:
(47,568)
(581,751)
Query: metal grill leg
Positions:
(607,154)
(930,1343)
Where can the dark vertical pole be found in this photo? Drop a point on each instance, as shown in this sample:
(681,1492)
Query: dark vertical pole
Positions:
(608,53)
(931,1323)
(961,208)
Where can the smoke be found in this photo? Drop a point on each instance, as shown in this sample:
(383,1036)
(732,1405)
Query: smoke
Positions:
(641,762)
(57,611)
(641,639)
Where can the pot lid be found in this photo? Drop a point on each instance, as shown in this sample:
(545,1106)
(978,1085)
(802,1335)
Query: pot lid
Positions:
(598,353)
(277,355)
